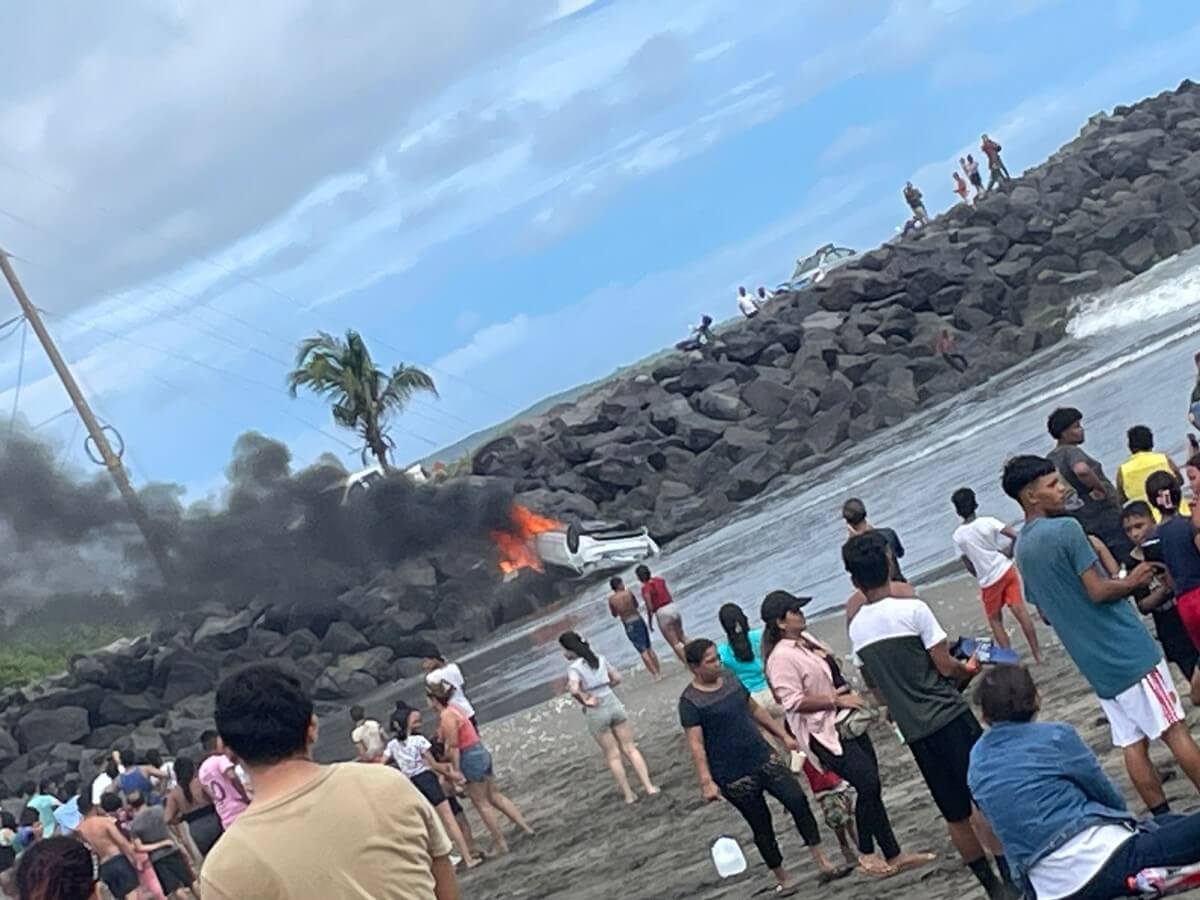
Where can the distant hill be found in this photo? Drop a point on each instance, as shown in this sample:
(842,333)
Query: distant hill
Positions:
(473,442)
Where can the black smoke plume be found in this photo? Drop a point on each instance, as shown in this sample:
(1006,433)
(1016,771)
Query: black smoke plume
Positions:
(278,535)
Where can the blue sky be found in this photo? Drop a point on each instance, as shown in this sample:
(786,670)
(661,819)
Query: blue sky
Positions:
(518,198)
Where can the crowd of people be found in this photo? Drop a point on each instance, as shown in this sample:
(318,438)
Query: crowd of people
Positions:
(964,181)
(1026,804)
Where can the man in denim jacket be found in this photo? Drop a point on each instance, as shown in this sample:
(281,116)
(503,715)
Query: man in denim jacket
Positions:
(1065,827)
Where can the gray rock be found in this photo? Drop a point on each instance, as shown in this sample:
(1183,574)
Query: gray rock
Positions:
(342,637)
(68,724)
(127,709)
(722,401)
(767,398)
(753,474)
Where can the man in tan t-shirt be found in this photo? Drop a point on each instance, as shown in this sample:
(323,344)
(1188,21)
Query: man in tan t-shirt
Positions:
(341,832)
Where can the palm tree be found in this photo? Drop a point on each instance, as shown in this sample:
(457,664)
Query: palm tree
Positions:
(363,395)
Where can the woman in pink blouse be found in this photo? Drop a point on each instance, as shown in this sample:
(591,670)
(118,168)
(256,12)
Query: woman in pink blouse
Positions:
(805,677)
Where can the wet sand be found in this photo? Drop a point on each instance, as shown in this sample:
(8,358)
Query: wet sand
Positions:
(590,846)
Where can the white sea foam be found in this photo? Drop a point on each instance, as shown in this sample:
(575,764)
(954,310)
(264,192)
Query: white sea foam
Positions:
(1169,288)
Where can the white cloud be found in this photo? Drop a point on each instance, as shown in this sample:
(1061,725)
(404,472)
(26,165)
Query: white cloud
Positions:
(487,343)
(854,140)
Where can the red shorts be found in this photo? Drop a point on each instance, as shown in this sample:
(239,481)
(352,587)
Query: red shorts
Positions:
(1189,610)
(1005,592)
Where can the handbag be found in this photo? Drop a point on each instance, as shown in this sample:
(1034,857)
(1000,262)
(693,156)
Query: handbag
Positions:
(853,723)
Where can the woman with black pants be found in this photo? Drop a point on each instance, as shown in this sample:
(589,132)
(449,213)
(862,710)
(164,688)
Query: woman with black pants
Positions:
(805,678)
(733,760)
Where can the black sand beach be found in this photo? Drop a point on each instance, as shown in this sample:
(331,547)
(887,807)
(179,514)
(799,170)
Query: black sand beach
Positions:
(590,846)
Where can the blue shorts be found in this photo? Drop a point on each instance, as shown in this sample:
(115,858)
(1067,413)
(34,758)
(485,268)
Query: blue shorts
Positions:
(476,764)
(638,635)
(1194,410)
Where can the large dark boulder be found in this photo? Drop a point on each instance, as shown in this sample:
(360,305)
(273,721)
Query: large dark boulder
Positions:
(9,748)
(127,709)
(342,637)
(754,473)
(67,724)
(223,633)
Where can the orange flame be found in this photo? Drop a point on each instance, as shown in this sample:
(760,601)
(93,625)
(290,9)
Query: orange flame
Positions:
(516,544)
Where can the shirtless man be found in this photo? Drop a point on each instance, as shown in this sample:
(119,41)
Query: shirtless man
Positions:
(624,606)
(114,851)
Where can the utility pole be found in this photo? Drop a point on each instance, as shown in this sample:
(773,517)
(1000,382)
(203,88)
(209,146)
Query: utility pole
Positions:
(111,460)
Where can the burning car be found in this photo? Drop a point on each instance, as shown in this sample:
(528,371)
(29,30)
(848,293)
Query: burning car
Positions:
(581,548)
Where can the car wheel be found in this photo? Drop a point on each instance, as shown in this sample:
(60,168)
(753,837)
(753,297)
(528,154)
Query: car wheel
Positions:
(572,538)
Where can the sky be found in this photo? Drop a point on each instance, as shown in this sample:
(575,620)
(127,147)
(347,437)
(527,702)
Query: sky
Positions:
(519,197)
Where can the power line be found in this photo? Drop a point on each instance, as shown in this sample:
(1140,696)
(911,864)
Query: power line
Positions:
(241,276)
(94,325)
(220,336)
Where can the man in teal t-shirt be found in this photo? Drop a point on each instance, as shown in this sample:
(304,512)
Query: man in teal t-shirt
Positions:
(1098,626)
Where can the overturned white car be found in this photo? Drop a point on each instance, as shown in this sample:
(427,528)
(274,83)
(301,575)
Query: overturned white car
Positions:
(588,547)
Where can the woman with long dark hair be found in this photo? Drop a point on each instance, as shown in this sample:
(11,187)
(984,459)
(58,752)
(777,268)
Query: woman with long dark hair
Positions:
(818,702)
(58,868)
(470,759)
(412,753)
(190,803)
(722,724)
(590,680)
(742,655)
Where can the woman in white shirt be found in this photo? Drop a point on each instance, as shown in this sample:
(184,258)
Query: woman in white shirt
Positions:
(590,680)
(411,753)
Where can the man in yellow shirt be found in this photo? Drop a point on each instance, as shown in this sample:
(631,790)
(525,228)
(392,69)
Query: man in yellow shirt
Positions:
(1144,462)
(341,832)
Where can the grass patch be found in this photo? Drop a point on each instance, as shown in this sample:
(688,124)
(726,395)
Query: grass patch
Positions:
(40,643)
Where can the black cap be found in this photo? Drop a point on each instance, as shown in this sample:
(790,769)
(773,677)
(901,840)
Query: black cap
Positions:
(777,604)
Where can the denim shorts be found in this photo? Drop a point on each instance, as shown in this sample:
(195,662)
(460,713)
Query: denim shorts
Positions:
(638,635)
(476,764)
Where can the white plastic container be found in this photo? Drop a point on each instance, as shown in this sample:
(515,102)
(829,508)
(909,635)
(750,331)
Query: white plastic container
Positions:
(727,856)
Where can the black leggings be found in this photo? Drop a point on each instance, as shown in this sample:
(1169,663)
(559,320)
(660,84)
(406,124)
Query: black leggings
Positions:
(747,795)
(858,765)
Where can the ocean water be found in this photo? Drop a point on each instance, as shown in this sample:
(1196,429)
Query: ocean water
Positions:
(1128,361)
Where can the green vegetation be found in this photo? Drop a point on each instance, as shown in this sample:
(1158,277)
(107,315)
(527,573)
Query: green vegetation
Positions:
(364,396)
(40,643)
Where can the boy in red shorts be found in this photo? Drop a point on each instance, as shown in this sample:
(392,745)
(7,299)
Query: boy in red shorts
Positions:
(985,546)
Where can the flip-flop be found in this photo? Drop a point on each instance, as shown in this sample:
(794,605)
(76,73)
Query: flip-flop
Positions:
(789,891)
(837,874)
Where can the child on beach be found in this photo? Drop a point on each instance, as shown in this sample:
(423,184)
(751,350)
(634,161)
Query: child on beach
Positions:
(1157,599)
(837,808)
(985,546)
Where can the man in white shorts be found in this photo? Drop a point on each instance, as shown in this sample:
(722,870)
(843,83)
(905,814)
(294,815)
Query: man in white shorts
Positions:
(1099,628)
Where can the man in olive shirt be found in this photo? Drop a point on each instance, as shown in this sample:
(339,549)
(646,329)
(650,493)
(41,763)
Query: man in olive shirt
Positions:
(1093,500)
(341,832)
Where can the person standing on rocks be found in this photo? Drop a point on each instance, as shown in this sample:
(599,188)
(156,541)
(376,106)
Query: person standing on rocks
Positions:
(960,187)
(916,202)
(732,760)
(1092,498)
(854,513)
(114,851)
(984,545)
(218,774)
(971,170)
(337,832)
(997,172)
(438,671)
(624,606)
(901,644)
(747,305)
(764,297)
(1099,628)
(590,680)
(945,345)
(662,608)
